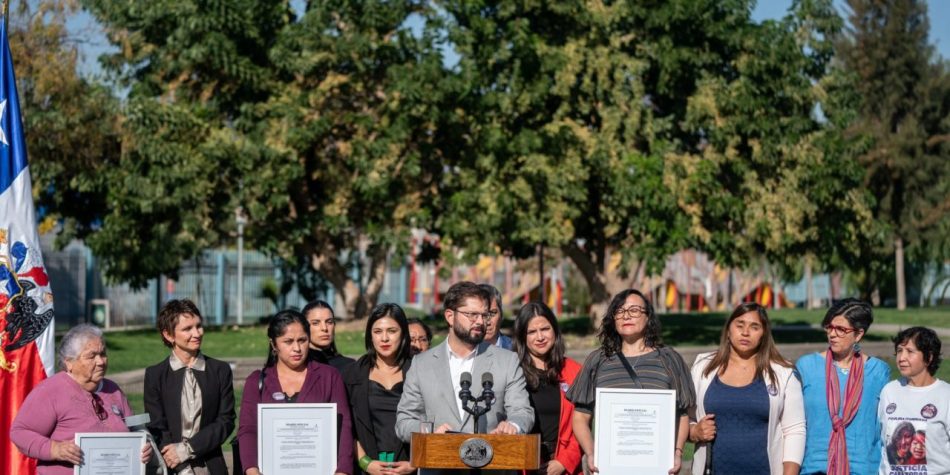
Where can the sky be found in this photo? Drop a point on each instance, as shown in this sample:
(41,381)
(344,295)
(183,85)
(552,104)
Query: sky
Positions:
(92,42)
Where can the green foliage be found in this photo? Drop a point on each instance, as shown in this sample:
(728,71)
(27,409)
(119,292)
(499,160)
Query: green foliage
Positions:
(904,102)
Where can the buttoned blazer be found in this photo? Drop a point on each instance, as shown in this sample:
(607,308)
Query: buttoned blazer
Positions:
(429,393)
(162,397)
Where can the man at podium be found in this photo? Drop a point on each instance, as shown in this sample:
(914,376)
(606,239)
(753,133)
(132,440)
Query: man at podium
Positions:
(431,390)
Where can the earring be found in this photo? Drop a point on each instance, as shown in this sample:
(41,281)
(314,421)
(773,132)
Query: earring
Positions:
(857,347)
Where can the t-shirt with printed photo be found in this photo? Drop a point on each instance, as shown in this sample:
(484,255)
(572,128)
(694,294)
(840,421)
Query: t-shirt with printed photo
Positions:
(915,429)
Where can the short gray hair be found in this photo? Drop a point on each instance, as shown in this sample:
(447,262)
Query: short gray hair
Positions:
(495,295)
(75,340)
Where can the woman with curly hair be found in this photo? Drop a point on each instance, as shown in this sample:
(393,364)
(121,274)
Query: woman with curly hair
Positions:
(915,409)
(631,356)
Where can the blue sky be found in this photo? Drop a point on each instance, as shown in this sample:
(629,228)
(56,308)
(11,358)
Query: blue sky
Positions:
(84,29)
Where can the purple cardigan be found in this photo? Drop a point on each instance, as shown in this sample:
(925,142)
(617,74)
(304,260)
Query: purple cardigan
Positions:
(322,384)
(57,409)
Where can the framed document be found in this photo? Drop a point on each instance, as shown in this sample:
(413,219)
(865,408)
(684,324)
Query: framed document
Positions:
(634,431)
(111,453)
(296,439)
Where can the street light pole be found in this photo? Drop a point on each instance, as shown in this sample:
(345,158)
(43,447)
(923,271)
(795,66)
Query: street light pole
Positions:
(241,221)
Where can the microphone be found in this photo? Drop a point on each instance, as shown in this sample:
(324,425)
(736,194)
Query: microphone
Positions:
(465,381)
(487,394)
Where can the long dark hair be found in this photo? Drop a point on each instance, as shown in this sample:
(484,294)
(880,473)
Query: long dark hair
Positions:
(766,354)
(331,350)
(554,360)
(395,312)
(278,326)
(610,341)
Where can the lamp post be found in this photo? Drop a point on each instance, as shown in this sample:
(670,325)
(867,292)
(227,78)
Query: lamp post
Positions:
(241,220)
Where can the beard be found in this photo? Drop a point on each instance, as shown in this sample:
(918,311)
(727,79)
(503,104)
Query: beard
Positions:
(466,335)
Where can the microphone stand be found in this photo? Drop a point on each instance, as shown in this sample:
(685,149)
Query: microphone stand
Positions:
(487,398)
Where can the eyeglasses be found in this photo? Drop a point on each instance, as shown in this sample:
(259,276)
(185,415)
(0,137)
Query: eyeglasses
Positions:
(633,312)
(473,316)
(838,330)
(98,408)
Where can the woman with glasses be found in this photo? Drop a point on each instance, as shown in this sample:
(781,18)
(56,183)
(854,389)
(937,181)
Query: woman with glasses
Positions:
(632,356)
(322,321)
(374,386)
(77,399)
(420,336)
(289,377)
(841,388)
(548,374)
(749,415)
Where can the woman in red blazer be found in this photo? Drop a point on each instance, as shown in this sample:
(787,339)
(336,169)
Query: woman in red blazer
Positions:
(549,374)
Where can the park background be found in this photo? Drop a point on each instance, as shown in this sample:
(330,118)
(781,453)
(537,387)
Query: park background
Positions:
(252,155)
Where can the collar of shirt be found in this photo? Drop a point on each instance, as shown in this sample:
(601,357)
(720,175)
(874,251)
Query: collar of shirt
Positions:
(176,364)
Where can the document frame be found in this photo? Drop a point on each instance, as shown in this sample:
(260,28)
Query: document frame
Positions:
(297,438)
(111,453)
(634,431)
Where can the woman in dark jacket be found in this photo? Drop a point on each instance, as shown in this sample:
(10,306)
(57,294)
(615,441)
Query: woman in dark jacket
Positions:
(188,396)
(374,386)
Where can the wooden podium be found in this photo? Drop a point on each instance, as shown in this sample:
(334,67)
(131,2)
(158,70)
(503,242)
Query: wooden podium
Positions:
(509,452)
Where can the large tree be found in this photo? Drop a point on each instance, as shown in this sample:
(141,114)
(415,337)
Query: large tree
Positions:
(903,114)
(319,124)
(623,132)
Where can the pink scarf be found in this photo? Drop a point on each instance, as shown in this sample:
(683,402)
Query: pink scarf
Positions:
(838,445)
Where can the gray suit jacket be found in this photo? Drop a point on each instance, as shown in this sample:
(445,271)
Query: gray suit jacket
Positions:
(428,393)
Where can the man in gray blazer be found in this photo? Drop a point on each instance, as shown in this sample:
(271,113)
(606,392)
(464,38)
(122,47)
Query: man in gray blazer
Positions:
(430,392)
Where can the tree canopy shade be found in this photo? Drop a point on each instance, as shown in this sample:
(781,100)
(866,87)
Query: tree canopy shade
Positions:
(323,128)
(903,116)
(615,132)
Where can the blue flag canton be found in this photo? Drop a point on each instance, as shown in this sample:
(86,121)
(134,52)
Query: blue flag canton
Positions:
(12,146)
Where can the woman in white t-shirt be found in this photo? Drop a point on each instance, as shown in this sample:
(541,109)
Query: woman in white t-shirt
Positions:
(915,409)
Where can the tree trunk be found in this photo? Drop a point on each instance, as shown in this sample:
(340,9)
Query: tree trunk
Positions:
(809,286)
(356,304)
(899,270)
(601,283)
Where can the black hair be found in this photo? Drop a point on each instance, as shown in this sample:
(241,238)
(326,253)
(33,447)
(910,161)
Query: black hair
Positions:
(331,350)
(857,312)
(494,295)
(926,341)
(610,341)
(418,321)
(459,291)
(395,312)
(554,360)
(278,326)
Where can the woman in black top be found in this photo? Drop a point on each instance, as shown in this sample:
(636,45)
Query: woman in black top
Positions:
(319,315)
(374,386)
(188,396)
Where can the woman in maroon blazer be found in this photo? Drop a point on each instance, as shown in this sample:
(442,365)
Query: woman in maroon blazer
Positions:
(290,378)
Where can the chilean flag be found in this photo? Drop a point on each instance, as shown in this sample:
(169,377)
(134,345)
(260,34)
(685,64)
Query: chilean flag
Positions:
(26,302)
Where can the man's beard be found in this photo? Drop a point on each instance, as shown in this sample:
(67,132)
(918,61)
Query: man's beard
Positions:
(466,336)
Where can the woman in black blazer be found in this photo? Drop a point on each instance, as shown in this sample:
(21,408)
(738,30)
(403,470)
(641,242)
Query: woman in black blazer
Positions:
(374,385)
(188,396)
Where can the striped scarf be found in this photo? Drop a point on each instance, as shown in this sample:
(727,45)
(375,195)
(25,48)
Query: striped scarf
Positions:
(838,445)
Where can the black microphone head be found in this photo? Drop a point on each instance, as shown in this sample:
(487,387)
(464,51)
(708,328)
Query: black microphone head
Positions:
(487,380)
(465,380)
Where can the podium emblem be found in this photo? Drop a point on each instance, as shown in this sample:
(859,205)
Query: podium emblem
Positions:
(476,453)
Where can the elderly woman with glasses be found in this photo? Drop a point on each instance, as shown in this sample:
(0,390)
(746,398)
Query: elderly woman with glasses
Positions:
(841,388)
(631,356)
(77,399)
